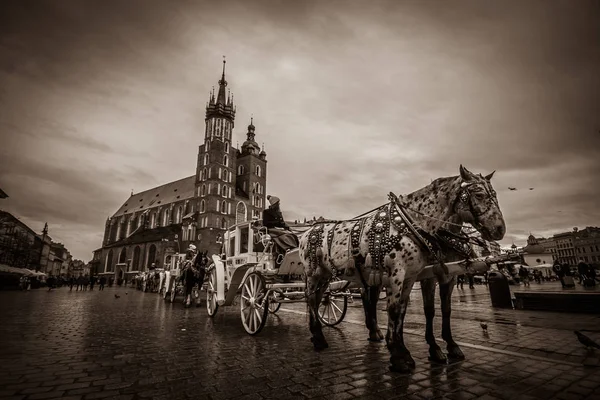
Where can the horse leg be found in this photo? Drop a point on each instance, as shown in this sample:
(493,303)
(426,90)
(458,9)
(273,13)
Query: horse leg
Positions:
(316,285)
(428,292)
(400,357)
(454,352)
(370,296)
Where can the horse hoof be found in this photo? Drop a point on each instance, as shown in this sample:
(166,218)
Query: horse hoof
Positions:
(455,354)
(319,344)
(401,368)
(437,356)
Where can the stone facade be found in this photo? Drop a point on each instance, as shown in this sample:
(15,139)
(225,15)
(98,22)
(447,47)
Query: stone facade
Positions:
(229,186)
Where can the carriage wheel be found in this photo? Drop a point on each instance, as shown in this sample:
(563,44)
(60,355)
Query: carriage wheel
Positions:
(173,292)
(274,305)
(254,305)
(211,293)
(332,309)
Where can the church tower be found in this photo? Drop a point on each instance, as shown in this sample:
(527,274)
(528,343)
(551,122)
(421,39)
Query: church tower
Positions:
(252,174)
(215,172)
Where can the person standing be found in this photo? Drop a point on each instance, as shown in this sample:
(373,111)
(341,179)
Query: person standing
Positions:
(524,275)
(102,283)
(558,270)
(92,282)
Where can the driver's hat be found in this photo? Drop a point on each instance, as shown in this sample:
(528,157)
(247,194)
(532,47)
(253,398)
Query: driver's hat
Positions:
(192,247)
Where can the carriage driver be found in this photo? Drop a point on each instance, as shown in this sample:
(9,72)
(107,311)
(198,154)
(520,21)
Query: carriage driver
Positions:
(283,238)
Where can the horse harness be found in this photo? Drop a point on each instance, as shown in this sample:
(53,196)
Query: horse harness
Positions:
(381,241)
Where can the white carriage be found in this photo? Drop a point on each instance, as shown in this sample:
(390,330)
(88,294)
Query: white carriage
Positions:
(249,270)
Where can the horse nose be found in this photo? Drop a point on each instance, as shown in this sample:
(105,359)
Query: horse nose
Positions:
(500,231)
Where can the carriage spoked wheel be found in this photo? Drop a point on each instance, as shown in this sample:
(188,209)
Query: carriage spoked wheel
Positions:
(274,305)
(332,309)
(254,307)
(173,292)
(211,293)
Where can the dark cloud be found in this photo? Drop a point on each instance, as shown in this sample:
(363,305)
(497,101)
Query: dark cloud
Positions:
(352,101)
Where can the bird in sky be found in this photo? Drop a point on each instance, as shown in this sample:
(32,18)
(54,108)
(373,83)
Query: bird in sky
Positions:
(530,188)
(512,188)
(586,341)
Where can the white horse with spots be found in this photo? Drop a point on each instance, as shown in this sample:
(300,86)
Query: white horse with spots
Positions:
(390,246)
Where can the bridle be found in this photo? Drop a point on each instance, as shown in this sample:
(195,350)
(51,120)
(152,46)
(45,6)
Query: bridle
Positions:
(463,206)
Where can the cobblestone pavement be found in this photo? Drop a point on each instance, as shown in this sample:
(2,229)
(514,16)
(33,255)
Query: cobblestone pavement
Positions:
(91,345)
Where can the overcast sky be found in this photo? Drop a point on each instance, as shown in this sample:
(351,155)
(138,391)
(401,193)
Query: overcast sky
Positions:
(352,100)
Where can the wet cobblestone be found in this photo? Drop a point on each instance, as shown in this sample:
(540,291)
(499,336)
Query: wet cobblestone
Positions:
(90,345)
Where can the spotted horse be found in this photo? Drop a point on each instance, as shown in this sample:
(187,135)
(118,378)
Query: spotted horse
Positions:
(391,245)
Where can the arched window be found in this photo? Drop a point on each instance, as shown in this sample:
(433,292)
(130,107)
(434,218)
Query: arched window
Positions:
(223,223)
(224,191)
(202,206)
(123,256)
(207,145)
(227,145)
(241,213)
(204,176)
(226,160)
(151,255)
(108,264)
(224,207)
(206,159)
(178,216)
(203,190)
(135,265)
(241,170)
(166,215)
(258,170)
(153,221)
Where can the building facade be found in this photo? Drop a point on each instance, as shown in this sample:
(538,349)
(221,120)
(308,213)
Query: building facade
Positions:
(229,186)
(586,243)
(565,249)
(20,246)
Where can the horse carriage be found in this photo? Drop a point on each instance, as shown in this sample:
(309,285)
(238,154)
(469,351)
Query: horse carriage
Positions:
(251,272)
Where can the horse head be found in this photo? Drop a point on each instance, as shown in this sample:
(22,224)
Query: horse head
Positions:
(477,204)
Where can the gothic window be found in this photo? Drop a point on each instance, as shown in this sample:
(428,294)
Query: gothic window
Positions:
(226,160)
(224,191)
(227,147)
(204,174)
(203,190)
(258,170)
(224,207)
(207,145)
(202,206)
(165,218)
(178,216)
(241,213)
(223,223)
(206,159)
(153,220)
(241,170)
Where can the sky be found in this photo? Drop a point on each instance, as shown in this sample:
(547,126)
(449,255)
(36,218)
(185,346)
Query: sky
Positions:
(352,100)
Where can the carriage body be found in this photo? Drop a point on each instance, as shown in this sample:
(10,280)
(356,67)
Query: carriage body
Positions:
(248,270)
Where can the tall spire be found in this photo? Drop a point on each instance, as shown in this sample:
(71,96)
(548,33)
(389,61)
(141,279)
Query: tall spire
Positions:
(222,84)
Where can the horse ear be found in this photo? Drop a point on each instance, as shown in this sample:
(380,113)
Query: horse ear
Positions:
(489,177)
(465,174)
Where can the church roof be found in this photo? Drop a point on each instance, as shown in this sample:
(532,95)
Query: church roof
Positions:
(149,235)
(171,192)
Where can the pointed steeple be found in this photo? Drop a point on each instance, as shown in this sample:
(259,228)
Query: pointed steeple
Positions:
(222,84)
(221,105)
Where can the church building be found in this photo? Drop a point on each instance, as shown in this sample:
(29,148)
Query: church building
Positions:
(228,187)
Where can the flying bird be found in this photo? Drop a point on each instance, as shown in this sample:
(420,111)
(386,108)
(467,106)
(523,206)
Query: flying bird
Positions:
(512,188)
(530,188)
(117,296)
(483,326)
(586,341)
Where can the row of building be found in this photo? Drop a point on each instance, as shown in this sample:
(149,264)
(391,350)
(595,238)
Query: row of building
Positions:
(21,248)
(567,247)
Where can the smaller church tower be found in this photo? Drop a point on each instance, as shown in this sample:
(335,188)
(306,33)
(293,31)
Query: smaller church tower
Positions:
(252,173)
